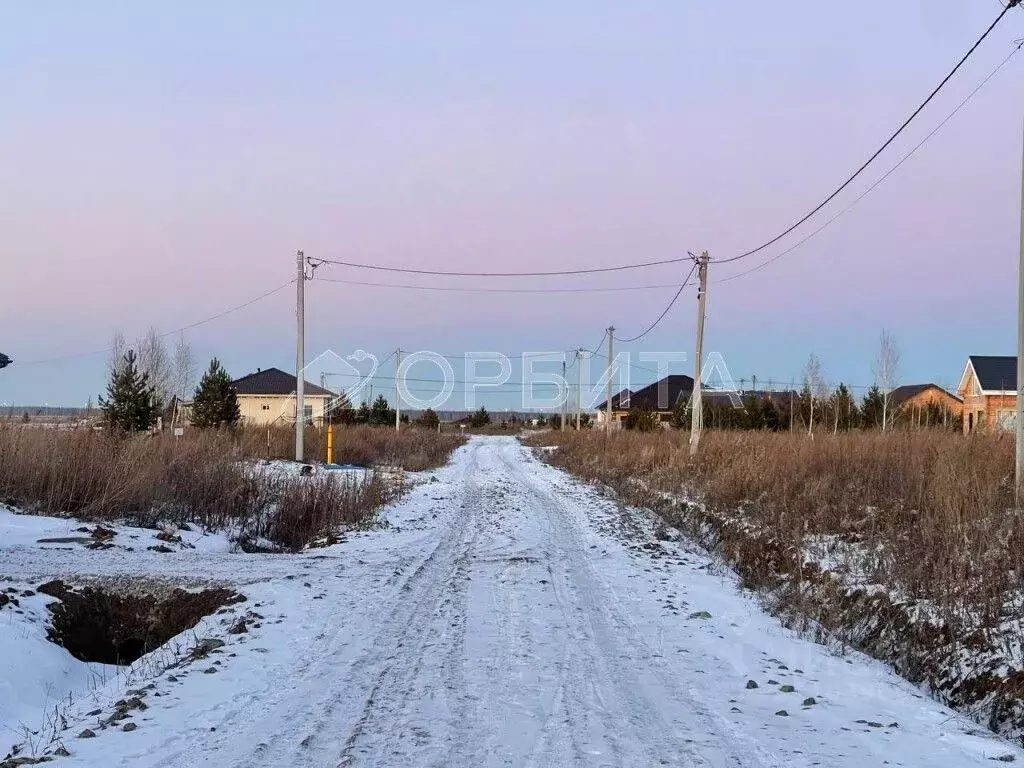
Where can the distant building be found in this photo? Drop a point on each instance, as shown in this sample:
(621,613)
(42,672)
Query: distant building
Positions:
(268,397)
(661,397)
(988,388)
(913,404)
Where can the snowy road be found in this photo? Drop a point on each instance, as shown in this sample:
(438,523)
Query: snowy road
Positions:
(513,617)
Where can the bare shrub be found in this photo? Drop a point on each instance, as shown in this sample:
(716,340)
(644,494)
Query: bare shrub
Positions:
(414,449)
(930,512)
(203,478)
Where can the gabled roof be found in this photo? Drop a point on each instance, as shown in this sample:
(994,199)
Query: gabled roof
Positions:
(274,381)
(672,389)
(620,401)
(907,391)
(995,372)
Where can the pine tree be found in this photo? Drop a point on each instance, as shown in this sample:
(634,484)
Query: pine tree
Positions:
(381,414)
(480,418)
(215,403)
(641,419)
(363,414)
(681,414)
(429,419)
(130,404)
(872,408)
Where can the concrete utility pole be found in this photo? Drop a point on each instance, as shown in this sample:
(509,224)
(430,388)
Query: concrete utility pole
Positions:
(608,402)
(579,385)
(696,407)
(1019,472)
(398,397)
(565,400)
(300,354)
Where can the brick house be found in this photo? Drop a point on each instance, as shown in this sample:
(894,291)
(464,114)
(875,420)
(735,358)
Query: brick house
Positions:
(988,388)
(915,403)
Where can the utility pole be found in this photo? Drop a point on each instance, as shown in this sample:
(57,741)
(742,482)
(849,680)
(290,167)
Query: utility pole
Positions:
(398,397)
(300,354)
(608,402)
(696,408)
(565,401)
(1019,470)
(579,385)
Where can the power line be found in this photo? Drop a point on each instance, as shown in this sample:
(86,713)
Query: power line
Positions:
(449,289)
(442,273)
(196,324)
(884,146)
(661,317)
(887,174)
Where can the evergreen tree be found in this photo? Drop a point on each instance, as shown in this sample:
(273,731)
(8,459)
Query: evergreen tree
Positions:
(340,410)
(872,408)
(215,403)
(844,409)
(641,419)
(130,404)
(681,414)
(429,419)
(480,419)
(381,414)
(363,414)
(345,413)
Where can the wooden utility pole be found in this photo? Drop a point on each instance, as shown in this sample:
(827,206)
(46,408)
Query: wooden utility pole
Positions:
(579,385)
(608,402)
(1019,470)
(398,395)
(696,408)
(565,400)
(300,355)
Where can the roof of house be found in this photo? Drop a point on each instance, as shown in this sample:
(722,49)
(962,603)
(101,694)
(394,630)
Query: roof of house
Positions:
(274,381)
(620,400)
(673,389)
(907,391)
(995,372)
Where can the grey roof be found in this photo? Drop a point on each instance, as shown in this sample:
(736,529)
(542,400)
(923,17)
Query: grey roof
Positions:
(907,391)
(995,371)
(274,381)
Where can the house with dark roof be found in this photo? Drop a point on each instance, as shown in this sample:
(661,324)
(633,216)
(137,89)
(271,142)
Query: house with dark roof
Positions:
(268,397)
(988,389)
(918,404)
(661,397)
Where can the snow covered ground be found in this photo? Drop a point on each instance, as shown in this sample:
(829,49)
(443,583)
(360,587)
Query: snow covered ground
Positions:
(510,616)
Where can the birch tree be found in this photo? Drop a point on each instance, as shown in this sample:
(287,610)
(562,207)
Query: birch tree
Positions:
(155,362)
(814,383)
(118,349)
(886,371)
(183,368)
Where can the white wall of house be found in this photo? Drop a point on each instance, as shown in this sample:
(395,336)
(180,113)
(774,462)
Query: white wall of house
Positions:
(261,410)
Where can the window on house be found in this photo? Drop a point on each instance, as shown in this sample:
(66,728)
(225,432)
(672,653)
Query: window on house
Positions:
(265,407)
(307,412)
(1006,420)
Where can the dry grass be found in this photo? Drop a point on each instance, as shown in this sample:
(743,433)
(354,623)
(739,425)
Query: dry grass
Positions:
(926,513)
(414,449)
(202,479)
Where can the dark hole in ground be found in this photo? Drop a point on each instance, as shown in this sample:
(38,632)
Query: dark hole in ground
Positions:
(117,627)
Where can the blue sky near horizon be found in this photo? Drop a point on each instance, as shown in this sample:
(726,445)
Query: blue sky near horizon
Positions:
(162,163)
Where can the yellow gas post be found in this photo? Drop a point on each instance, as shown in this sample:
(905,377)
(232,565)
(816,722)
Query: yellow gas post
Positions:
(330,443)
